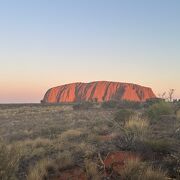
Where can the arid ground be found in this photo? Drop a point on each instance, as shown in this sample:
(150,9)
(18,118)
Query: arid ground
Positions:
(90,141)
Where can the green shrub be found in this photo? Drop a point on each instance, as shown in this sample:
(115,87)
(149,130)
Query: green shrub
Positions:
(122,115)
(109,104)
(151,101)
(121,104)
(83,106)
(129,104)
(155,111)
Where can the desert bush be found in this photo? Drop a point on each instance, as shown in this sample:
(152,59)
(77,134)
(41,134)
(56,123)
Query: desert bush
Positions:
(158,146)
(121,104)
(171,163)
(123,114)
(129,104)
(83,106)
(136,170)
(109,104)
(155,111)
(151,101)
(9,159)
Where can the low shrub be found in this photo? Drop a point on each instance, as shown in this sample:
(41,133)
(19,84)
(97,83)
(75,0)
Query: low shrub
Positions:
(109,104)
(122,115)
(158,146)
(129,104)
(121,104)
(151,101)
(83,106)
(155,111)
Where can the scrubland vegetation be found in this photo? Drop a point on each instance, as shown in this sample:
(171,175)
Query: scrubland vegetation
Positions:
(111,140)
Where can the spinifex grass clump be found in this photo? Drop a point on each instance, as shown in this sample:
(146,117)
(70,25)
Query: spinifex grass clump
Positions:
(9,159)
(135,169)
(134,131)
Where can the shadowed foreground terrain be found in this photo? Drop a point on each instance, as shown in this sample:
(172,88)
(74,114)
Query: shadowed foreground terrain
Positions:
(90,141)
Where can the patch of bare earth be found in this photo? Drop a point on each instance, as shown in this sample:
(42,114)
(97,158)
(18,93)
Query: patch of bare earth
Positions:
(115,161)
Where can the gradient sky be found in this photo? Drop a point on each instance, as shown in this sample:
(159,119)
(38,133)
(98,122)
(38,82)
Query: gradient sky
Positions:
(45,43)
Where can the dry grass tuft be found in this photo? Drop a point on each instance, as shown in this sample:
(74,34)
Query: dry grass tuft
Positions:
(137,126)
(39,171)
(71,134)
(92,170)
(9,159)
(136,170)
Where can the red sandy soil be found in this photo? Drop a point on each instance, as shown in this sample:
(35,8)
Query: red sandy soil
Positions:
(98,91)
(116,160)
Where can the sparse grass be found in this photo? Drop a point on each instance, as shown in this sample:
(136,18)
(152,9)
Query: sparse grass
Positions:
(54,138)
(64,160)
(178,114)
(9,159)
(48,168)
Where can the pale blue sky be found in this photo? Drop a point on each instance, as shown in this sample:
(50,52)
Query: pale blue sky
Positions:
(48,43)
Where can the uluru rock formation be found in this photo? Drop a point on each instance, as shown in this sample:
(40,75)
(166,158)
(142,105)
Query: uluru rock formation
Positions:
(98,91)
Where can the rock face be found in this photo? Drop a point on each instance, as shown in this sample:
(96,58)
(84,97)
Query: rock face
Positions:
(98,91)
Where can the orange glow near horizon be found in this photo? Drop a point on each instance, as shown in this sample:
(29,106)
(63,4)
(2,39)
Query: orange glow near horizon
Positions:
(34,92)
